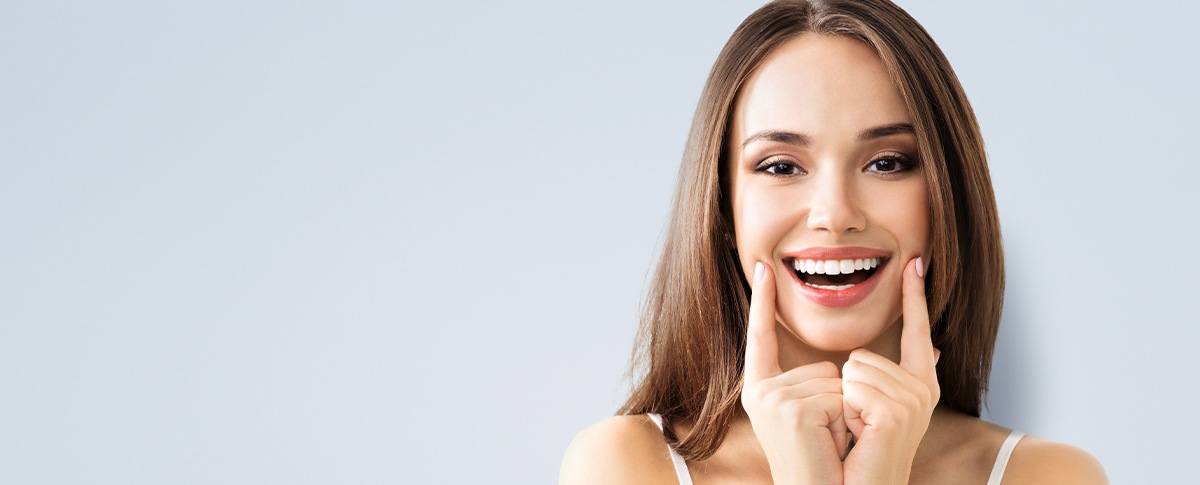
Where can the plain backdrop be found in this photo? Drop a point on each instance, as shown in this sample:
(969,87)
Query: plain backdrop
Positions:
(380,242)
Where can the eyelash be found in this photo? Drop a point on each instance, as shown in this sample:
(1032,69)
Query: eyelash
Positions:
(900,159)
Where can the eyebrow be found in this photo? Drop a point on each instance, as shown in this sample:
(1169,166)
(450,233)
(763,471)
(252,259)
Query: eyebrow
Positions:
(802,139)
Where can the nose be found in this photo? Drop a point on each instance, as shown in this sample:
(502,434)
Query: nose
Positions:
(833,206)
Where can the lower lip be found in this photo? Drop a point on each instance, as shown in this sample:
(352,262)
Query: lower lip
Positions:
(840,298)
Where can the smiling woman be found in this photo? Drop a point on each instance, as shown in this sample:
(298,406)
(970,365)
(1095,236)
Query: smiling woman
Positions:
(847,182)
(835,160)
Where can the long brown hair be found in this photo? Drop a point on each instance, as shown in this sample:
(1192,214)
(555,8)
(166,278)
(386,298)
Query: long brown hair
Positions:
(690,346)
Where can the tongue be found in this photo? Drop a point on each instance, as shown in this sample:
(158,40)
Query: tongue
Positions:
(839,279)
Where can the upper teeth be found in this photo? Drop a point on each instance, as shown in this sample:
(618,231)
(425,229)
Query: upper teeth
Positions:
(834,266)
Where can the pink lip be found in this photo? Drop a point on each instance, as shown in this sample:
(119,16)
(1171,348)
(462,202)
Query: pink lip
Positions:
(843,252)
(836,298)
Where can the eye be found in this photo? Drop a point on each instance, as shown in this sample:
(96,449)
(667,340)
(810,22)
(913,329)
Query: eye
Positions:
(788,167)
(892,164)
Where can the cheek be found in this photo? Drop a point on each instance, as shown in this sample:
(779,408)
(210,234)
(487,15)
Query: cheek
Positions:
(904,213)
(918,219)
(759,221)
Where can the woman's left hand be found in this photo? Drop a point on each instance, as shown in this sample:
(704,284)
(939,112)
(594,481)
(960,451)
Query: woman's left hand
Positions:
(888,406)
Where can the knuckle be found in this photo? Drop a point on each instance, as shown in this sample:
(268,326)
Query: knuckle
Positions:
(759,393)
(826,368)
(926,396)
(774,399)
(828,401)
(888,418)
(794,412)
(829,384)
(922,397)
(790,408)
(852,369)
(749,394)
(913,402)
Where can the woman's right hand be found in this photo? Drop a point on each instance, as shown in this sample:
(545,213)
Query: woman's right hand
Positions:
(796,415)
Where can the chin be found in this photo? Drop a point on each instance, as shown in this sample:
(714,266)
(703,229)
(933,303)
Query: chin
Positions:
(835,334)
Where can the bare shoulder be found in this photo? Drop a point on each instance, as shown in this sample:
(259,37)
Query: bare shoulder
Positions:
(619,449)
(965,448)
(1038,461)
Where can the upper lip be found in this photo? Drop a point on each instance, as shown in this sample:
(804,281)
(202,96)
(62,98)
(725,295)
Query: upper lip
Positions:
(837,252)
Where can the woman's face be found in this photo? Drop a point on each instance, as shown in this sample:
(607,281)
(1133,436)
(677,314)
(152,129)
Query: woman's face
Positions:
(830,188)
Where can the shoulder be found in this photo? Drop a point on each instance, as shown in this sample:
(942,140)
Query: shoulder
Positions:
(966,449)
(619,449)
(1038,461)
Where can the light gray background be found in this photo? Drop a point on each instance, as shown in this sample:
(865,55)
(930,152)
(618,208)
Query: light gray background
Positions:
(286,242)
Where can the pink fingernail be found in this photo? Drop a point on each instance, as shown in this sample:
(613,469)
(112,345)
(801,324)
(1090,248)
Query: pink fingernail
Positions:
(758,271)
(920,267)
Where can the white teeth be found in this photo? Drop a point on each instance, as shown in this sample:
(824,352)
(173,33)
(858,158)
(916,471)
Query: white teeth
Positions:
(847,266)
(830,287)
(834,266)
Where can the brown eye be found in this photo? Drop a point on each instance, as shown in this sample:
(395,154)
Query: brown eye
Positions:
(779,169)
(891,164)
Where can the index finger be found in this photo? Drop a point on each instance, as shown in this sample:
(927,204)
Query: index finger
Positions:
(916,346)
(762,360)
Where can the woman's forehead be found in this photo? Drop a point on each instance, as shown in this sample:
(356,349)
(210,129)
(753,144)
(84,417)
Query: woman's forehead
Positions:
(828,86)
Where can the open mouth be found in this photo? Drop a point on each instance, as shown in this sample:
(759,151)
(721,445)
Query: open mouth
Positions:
(835,275)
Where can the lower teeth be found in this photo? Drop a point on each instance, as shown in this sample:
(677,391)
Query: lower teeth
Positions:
(829,287)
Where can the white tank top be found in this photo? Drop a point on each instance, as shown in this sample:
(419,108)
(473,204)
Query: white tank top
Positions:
(1006,449)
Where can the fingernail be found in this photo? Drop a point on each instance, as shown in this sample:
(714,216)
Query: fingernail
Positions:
(920,267)
(758,271)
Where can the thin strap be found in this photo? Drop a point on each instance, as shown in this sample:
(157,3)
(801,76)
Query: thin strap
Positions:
(681,470)
(1006,450)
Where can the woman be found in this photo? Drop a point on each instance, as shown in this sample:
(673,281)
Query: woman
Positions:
(827,301)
